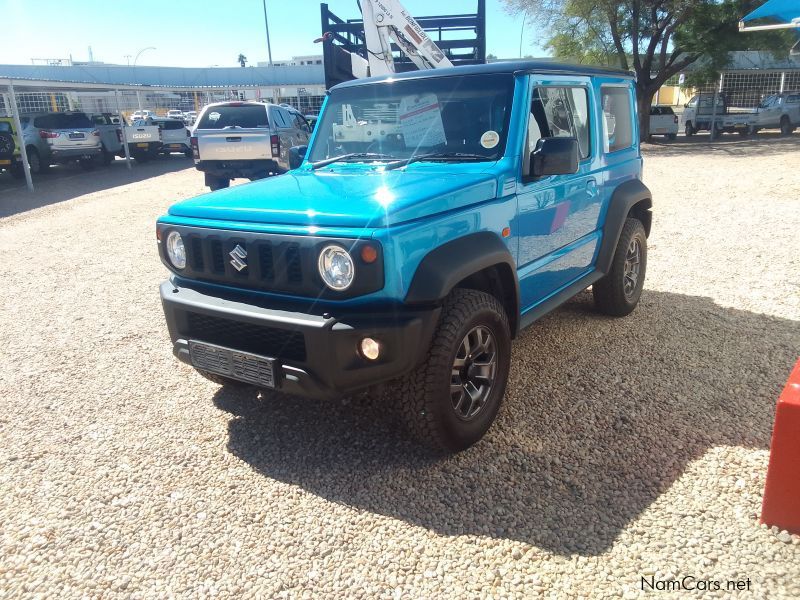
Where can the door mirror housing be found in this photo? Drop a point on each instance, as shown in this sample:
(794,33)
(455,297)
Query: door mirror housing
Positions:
(296,156)
(554,156)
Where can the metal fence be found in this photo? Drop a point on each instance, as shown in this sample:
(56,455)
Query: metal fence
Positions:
(746,89)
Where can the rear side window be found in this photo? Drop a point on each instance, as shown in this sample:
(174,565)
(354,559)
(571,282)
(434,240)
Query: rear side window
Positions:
(793,99)
(72,121)
(245,116)
(170,125)
(617,118)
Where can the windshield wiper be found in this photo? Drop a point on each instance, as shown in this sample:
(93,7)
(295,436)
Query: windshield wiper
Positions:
(333,159)
(436,156)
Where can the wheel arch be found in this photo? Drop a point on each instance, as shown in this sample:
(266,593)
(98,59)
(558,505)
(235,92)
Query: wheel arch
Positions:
(630,199)
(479,261)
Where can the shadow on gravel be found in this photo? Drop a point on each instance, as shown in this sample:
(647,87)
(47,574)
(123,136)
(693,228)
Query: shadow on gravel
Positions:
(64,182)
(601,417)
(763,144)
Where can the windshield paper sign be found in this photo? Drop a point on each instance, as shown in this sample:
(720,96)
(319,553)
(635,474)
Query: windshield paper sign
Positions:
(421,121)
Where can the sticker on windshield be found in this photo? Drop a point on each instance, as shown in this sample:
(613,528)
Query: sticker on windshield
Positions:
(214,116)
(421,120)
(490,139)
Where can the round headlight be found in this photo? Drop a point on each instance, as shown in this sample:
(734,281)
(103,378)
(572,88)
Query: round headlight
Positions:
(175,250)
(336,268)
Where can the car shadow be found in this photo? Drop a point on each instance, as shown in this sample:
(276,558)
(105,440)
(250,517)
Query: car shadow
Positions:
(600,418)
(64,182)
(764,143)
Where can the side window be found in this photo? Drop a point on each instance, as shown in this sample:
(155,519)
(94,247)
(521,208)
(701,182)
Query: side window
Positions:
(617,118)
(558,112)
(285,118)
(300,123)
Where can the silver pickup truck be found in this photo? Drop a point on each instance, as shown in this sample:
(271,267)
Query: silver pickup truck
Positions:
(246,139)
(144,140)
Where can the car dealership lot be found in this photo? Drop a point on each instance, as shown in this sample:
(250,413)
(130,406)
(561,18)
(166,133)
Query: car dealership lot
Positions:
(626,449)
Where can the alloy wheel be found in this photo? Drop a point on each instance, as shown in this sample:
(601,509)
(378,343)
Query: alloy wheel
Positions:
(473,373)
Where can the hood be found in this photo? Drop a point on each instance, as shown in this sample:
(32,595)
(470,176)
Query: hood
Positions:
(343,198)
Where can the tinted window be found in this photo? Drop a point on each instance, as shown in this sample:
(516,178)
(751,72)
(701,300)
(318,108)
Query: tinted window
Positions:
(793,99)
(169,125)
(559,112)
(286,117)
(617,118)
(661,110)
(100,120)
(5,126)
(246,116)
(63,121)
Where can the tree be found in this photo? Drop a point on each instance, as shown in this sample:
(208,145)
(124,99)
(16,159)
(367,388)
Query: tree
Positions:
(656,39)
(242,60)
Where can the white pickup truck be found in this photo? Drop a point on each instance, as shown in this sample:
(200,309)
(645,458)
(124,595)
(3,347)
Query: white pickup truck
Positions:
(144,140)
(779,111)
(700,113)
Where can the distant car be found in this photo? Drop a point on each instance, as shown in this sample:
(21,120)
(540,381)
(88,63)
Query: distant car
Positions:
(60,138)
(142,114)
(778,111)
(246,139)
(175,114)
(189,117)
(663,121)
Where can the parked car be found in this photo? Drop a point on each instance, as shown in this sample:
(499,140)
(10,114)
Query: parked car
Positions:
(189,117)
(245,139)
(60,138)
(110,127)
(406,266)
(10,156)
(175,114)
(174,135)
(144,140)
(699,114)
(663,121)
(138,115)
(779,111)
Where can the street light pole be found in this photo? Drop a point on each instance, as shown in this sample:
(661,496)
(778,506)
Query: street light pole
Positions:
(138,54)
(266,26)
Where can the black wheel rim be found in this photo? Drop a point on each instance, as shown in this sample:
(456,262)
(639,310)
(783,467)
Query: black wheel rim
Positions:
(633,266)
(473,374)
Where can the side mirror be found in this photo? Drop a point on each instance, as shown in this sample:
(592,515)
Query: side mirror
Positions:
(554,156)
(296,156)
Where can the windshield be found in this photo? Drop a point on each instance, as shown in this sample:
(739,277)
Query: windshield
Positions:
(465,114)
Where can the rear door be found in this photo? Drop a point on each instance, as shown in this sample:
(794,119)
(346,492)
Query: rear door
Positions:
(69,131)
(236,131)
(662,120)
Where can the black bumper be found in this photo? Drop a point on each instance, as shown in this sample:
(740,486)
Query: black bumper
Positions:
(231,169)
(315,352)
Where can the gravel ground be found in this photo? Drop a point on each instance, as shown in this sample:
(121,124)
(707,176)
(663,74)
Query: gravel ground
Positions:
(626,448)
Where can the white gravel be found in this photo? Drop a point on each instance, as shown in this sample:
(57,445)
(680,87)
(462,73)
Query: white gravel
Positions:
(626,448)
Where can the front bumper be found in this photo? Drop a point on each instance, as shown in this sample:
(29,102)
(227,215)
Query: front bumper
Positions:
(315,352)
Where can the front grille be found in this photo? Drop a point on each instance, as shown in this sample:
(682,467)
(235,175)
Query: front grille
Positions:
(258,339)
(283,264)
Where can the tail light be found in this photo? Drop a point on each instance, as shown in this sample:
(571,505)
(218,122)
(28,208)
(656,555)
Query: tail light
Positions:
(160,135)
(276,145)
(195,148)
(44,134)
(119,135)
(675,118)
(188,133)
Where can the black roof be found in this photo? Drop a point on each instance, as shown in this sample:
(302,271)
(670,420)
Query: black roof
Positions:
(514,66)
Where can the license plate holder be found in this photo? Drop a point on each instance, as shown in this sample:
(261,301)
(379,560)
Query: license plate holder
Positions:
(242,366)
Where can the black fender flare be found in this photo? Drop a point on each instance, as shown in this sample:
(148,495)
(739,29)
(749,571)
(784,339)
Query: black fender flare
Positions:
(443,268)
(627,195)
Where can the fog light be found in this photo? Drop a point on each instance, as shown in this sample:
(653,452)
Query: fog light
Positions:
(370,348)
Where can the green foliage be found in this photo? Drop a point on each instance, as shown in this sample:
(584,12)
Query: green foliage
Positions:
(242,60)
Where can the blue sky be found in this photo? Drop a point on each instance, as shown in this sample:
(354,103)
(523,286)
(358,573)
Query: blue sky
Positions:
(202,33)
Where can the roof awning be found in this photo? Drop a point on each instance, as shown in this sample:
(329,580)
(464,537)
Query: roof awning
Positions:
(775,14)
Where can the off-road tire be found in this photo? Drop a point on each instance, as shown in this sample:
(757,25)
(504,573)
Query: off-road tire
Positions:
(610,296)
(424,396)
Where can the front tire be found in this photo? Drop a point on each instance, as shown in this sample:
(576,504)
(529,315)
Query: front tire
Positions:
(618,293)
(689,130)
(450,400)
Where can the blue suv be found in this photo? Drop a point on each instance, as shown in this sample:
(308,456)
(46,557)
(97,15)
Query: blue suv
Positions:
(431,218)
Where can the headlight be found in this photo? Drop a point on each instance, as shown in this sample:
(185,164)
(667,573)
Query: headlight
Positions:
(336,268)
(175,250)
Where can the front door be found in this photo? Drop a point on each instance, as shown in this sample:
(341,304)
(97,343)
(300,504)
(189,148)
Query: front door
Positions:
(557,215)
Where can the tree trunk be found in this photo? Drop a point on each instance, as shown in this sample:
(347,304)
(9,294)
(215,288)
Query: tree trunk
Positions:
(644,98)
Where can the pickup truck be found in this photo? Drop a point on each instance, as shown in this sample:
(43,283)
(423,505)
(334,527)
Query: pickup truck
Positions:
(144,140)
(174,135)
(245,139)
(110,128)
(699,114)
(779,111)
(404,267)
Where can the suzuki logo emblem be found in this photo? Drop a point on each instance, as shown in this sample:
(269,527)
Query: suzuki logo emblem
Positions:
(238,258)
